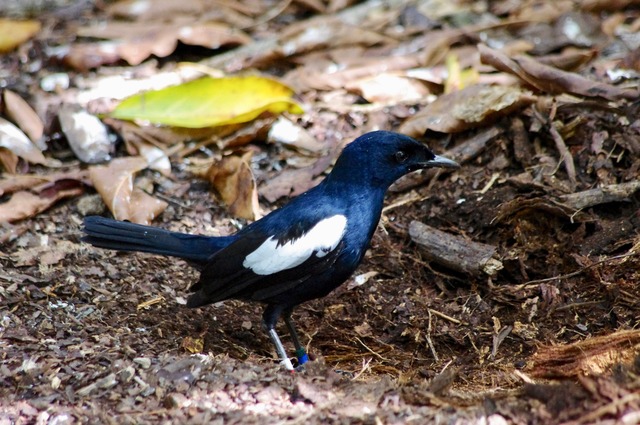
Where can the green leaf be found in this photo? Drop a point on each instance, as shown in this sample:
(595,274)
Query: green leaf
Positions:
(209,102)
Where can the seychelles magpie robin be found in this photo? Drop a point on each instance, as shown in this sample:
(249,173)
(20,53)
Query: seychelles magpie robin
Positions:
(297,253)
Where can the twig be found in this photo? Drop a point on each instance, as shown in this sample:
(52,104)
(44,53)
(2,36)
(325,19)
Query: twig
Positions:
(370,350)
(494,178)
(271,14)
(499,338)
(365,366)
(565,155)
(600,195)
(524,377)
(429,342)
(444,316)
(403,202)
(578,305)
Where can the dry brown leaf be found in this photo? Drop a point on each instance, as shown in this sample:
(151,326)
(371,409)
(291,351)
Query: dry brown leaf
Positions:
(29,181)
(8,160)
(13,139)
(294,182)
(289,133)
(233,179)
(86,56)
(569,59)
(156,158)
(24,204)
(325,32)
(143,141)
(143,207)
(114,182)
(20,182)
(136,41)
(44,255)
(552,80)
(389,89)
(19,111)
(312,76)
(471,107)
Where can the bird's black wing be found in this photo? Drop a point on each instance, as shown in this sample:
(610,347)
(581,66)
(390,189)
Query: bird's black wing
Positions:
(227,276)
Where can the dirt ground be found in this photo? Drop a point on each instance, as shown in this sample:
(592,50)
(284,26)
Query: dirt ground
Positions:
(95,336)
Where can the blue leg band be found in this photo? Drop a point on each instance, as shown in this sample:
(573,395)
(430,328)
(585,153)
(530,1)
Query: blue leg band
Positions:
(302,356)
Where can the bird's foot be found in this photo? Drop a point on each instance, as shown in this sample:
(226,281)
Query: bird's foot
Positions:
(287,364)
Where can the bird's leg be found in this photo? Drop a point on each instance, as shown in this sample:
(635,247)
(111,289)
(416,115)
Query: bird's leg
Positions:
(280,349)
(269,319)
(301,353)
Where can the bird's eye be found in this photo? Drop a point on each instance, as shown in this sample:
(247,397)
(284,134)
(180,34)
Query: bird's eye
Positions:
(401,156)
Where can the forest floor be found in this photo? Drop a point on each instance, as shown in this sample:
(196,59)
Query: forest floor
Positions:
(548,186)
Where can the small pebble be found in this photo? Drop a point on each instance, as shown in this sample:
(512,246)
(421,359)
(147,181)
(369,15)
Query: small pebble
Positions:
(91,205)
(144,362)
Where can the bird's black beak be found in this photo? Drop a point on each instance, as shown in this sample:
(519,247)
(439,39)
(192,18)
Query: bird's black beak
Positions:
(441,162)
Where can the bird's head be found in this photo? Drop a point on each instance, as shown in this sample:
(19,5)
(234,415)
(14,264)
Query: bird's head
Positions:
(382,157)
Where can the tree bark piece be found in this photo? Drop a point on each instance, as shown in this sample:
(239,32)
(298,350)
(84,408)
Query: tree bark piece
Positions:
(455,252)
(600,195)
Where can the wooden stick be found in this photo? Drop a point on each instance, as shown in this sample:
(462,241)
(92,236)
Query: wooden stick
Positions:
(455,252)
(600,195)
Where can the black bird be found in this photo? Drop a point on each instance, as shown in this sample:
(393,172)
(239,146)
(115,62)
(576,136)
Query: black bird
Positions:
(297,253)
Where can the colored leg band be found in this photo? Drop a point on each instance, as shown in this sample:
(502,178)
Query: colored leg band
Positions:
(302,356)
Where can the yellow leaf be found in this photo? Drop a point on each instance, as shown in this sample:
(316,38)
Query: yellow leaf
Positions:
(14,33)
(209,102)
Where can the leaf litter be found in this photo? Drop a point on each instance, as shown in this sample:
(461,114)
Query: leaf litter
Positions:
(550,161)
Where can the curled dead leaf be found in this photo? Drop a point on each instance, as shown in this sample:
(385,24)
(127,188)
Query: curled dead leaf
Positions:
(8,160)
(148,142)
(19,111)
(136,41)
(233,179)
(294,182)
(14,140)
(552,80)
(289,133)
(115,183)
(389,89)
(25,203)
(471,107)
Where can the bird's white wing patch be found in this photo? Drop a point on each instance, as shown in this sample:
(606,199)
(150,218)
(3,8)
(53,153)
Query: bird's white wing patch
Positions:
(322,238)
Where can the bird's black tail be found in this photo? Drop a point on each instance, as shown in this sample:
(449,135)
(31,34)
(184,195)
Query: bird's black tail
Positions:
(124,236)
